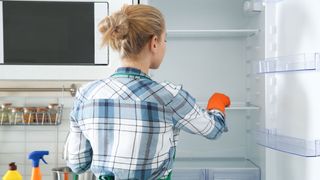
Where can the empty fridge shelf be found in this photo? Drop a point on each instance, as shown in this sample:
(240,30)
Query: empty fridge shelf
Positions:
(299,62)
(242,106)
(235,106)
(213,33)
(301,147)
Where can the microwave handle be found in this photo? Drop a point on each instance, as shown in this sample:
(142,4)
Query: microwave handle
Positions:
(1,34)
(101,54)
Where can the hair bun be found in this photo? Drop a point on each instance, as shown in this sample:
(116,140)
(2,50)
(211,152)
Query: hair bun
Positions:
(121,29)
(129,29)
(116,25)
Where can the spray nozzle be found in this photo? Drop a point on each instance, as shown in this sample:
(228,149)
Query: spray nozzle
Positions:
(35,156)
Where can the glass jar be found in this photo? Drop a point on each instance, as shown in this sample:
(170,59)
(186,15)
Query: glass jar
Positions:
(29,115)
(11,115)
(53,112)
(42,115)
(6,112)
(0,113)
(17,115)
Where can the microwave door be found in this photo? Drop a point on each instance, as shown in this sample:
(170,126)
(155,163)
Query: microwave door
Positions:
(35,34)
(101,54)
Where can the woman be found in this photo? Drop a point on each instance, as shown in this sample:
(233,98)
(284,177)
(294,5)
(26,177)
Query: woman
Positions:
(126,126)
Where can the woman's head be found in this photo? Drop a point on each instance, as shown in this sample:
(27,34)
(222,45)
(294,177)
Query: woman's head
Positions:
(133,29)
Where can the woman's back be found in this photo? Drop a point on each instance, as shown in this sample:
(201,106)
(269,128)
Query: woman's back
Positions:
(128,123)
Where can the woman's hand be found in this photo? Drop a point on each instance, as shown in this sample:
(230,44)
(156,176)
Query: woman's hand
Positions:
(219,102)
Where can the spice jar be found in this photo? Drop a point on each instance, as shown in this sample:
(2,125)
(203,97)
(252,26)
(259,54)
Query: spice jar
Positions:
(17,115)
(29,115)
(12,114)
(42,115)
(53,112)
(6,112)
(0,113)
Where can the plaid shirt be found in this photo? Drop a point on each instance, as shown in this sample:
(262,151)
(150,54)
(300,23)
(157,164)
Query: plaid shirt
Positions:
(127,125)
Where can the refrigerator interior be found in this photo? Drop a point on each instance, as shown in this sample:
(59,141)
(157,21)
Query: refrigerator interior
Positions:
(212,46)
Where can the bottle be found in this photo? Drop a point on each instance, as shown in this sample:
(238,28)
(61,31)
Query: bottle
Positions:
(12,174)
(35,156)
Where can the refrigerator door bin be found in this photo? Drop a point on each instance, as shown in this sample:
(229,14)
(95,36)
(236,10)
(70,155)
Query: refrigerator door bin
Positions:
(299,62)
(301,147)
(291,104)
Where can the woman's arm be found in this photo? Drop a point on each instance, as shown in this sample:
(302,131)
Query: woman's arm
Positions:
(78,151)
(189,117)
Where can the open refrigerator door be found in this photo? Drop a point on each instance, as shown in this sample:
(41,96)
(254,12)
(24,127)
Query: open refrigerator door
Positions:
(291,72)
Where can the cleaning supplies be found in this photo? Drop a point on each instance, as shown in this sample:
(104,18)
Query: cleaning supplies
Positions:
(35,156)
(12,174)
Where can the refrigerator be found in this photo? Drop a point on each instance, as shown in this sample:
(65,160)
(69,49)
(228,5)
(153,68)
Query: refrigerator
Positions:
(264,55)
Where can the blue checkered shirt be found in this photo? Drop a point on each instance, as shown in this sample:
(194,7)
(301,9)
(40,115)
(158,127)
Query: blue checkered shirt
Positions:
(127,125)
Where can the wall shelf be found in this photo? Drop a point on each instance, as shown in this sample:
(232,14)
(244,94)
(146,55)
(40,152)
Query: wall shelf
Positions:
(72,89)
(213,33)
(271,139)
(31,116)
(299,62)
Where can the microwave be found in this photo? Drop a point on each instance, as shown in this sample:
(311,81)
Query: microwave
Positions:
(54,39)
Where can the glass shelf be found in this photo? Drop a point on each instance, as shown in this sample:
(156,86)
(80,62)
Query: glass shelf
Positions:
(271,139)
(299,62)
(213,33)
(235,106)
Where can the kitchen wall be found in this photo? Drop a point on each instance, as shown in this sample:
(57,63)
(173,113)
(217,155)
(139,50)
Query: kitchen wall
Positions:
(16,142)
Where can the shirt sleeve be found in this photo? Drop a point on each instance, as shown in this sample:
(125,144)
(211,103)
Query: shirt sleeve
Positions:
(190,117)
(78,151)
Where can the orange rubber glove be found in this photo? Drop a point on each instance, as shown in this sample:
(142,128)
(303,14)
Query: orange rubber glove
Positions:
(218,101)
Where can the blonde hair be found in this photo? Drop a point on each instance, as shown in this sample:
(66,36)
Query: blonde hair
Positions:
(131,28)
